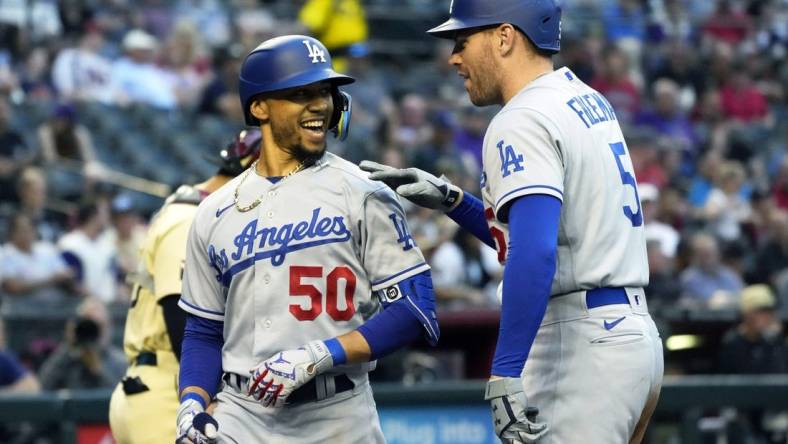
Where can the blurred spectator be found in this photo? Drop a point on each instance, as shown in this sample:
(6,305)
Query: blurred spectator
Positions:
(220,96)
(673,22)
(68,153)
(254,22)
(34,77)
(616,85)
(663,290)
(183,65)
(729,22)
(14,377)
(780,187)
(127,232)
(756,345)
(137,79)
(39,18)
(578,56)
(32,191)
(624,19)
(14,153)
(82,72)
(645,154)
(666,237)
(707,283)
(456,273)
(412,130)
(469,138)
(74,14)
(209,16)
(339,24)
(711,126)
(703,181)
(741,100)
(32,268)
(83,360)
(726,209)
(91,255)
(680,65)
(771,258)
(669,121)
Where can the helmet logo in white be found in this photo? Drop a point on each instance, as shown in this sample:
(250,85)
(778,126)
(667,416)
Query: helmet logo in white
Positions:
(317,54)
(451,6)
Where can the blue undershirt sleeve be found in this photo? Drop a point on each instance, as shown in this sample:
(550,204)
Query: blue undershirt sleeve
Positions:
(469,214)
(390,329)
(527,279)
(201,355)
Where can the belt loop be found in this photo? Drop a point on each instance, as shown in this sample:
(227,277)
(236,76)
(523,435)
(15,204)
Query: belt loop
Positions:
(320,387)
(331,386)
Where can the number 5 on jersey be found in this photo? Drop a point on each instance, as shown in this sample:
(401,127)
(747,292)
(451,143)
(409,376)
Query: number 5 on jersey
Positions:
(316,303)
(636,217)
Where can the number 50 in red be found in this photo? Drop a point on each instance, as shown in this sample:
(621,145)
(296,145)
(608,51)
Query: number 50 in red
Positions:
(297,288)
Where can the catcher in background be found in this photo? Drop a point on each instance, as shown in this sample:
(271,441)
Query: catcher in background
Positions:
(144,403)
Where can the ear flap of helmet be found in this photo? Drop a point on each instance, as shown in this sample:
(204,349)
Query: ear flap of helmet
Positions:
(340,120)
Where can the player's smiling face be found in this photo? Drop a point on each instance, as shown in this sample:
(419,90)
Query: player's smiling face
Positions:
(299,118)
(473,58)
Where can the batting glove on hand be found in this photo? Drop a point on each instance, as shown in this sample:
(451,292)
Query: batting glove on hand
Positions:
(194,425)
(418,186)
(280,375)
(513,420)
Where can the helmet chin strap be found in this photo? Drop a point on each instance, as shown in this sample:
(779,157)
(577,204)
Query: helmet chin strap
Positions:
(343,106)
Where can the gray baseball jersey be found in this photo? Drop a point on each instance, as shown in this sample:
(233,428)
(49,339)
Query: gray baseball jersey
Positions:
(559,137)
(300,266)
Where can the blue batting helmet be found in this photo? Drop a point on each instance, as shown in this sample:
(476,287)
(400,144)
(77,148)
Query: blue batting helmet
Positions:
(288,62)
(540,20)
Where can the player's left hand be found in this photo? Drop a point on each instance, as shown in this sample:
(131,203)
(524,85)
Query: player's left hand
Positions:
(513,419)
(194,425)
(278,376)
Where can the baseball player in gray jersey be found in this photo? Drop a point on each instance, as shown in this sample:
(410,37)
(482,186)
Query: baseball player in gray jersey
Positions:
(578,357)
(287,268)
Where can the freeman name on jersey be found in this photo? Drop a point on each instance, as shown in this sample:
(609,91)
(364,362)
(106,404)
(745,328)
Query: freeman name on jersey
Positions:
(592,108)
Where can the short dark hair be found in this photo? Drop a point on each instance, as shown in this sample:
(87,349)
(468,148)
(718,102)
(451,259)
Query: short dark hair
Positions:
(88,209)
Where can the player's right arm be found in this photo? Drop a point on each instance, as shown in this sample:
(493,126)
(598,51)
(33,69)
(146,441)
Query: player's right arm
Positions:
(201,354)
(400,278)
(428,191)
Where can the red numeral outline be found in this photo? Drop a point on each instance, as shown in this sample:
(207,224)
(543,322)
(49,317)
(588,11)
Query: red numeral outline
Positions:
(498,236)
(316,298)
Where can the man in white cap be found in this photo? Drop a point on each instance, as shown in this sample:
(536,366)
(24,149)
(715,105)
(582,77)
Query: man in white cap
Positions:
(756,345)
(136,78)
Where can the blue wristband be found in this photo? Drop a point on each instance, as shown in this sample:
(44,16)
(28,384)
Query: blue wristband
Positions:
(194,396)
(337,351)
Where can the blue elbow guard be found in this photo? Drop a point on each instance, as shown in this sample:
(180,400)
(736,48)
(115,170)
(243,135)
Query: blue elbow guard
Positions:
(417,294)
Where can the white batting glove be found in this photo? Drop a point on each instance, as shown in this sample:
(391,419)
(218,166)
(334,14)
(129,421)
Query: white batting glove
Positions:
(194,425)
(280,375)
(418,186)
(514,421)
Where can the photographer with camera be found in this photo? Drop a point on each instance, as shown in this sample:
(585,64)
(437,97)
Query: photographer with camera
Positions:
(85,359)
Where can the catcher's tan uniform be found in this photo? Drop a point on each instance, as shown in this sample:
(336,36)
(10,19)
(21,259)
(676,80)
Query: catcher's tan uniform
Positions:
(143,410)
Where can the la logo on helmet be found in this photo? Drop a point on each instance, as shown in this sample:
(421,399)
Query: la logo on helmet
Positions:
(317,54)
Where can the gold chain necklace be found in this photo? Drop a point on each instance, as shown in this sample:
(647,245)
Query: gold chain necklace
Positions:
(259,199)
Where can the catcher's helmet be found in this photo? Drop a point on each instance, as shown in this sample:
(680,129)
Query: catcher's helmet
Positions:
(236,157)
(540,20)
(288,62)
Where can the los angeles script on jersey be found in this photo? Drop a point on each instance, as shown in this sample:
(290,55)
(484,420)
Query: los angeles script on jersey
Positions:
(256,242)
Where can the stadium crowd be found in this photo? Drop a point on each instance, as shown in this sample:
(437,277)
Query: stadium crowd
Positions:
(88,88)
